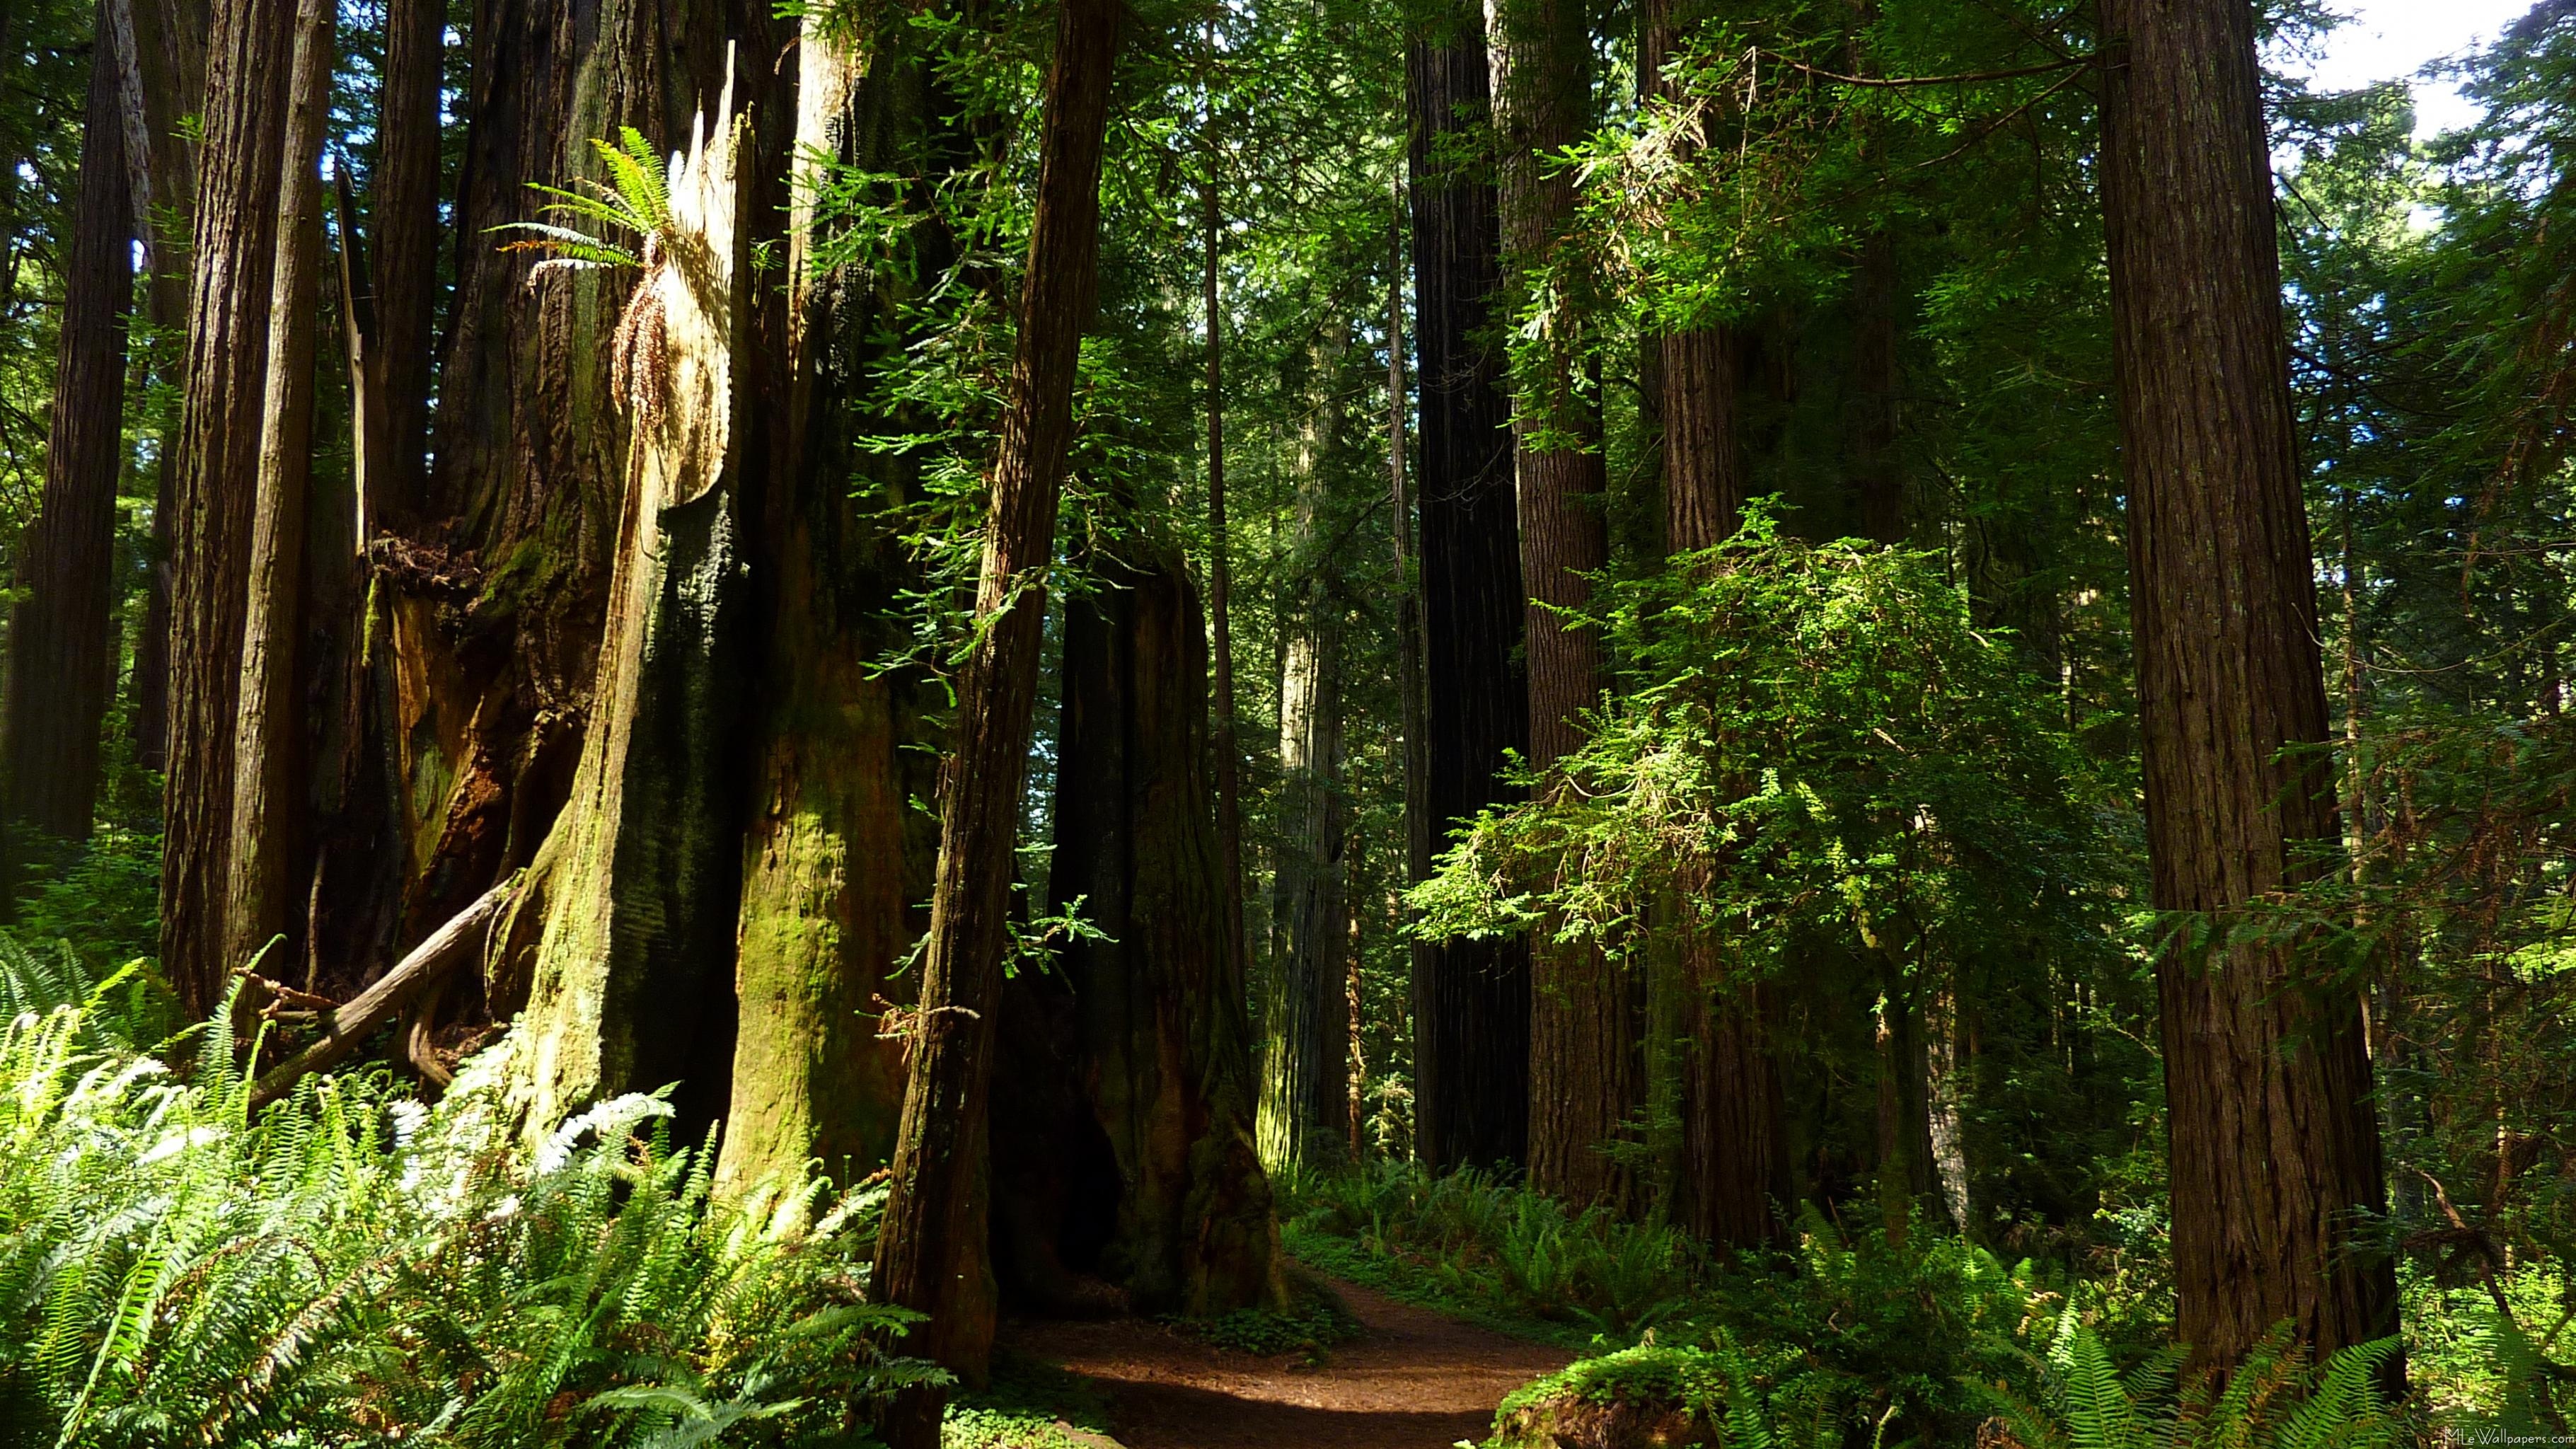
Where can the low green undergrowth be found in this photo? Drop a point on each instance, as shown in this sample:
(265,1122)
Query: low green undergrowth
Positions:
(351,1267)
(1028,1405)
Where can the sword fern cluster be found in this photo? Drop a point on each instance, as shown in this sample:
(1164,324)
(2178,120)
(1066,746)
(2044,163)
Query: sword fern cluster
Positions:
(633,202)
(352,1267)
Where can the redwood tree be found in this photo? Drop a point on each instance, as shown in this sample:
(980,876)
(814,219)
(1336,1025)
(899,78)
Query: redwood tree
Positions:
(2275,1146)
(1471,999)
(60,651)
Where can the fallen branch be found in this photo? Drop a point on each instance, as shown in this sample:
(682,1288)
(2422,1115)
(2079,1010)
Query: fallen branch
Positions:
(354,1021)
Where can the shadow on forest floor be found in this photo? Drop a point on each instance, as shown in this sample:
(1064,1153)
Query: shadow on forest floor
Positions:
(1415,1379)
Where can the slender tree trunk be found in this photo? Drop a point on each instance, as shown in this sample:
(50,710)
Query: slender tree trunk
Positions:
(1229,751)
(1408,614)
(161,44)
(1584,1063)
(268,795)
(394,424)
(931,1250)
(218,479)
(2275,1148)
(829,866)
(1471,999)
(62,643)
(1302,1086)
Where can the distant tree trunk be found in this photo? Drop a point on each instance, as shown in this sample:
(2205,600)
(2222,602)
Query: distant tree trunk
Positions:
(268,794)
(1471,999)
(62,644)
(1164,1054)
(1302,1084)
(1584,1064)
(1229,751)
(1408,615)
(2275,1147)
(218,479)
(638,881)
(829,865)
(931,1250)
(1878,481)
(1944,1091)
(161,44)
(394,423)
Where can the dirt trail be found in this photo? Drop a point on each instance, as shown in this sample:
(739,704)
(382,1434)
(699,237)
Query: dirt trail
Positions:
(1416,1380)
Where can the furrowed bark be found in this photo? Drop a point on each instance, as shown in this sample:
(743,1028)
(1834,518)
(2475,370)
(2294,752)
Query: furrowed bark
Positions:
(931,1250)
(161,45)
(62,647)
(629,989)
(830,867)
(395,425)
(1471,1000)
(1302,1076)
(2275,1148)
(1584,1063)
(1164,1061)
(217,479)
(268,793)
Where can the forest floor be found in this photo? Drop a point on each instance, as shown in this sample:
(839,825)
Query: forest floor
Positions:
(1413,1379)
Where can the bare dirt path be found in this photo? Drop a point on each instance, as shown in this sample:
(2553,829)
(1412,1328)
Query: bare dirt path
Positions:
(1415,1380)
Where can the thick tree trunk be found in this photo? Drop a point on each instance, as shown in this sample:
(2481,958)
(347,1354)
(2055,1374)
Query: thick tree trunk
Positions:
(1302,1081)
(218,478)
(1471,999)
(639,878)
(62,646)
(829,865)
(1584,1064)
(2275,1149)
(268,794)
(931,1250)
(394,422)
(1164,1056)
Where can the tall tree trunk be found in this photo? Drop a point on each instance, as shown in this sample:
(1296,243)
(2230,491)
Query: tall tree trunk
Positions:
(1302,1083)
(268,795)
(1584,1076)
(830,868)
(931,1250)
(161,45)
(393,423)
(1164,1041)
(2275,1148)
(217,479)
(1229,752)
(1734,1168)
(1471,999)
(638,881)
(62,646)
(1408,613)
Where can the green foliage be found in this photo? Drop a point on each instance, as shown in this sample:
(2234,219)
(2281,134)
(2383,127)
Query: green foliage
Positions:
(1820,735)
(103,899)
(349,1267)
(1028,1405)
(634,201)
(2274,1400)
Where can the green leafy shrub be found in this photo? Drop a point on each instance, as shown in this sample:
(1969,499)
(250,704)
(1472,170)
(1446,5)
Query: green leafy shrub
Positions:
(103,897)
(2275,1400)
(351,1267)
